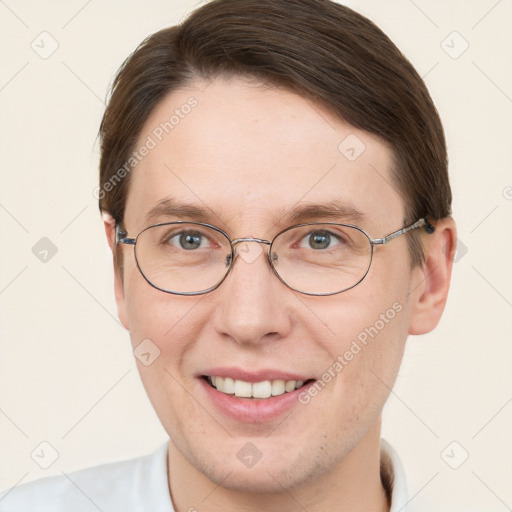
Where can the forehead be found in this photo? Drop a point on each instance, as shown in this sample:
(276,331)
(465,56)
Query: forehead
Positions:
(247,152)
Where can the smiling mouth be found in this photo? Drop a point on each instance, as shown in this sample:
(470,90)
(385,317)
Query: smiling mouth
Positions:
(263,389)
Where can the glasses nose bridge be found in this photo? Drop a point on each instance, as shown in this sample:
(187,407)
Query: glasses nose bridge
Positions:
(237,241)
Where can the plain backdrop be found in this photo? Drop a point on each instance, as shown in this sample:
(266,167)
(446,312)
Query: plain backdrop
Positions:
(68,377)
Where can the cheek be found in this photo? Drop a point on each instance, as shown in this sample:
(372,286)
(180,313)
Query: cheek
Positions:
(367,341)
(373,353)
(154,314)
(165,327)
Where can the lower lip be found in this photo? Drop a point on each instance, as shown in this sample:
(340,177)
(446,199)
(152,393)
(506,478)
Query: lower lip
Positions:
(253,410)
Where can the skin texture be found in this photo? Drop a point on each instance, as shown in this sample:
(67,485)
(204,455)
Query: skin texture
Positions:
(248,153)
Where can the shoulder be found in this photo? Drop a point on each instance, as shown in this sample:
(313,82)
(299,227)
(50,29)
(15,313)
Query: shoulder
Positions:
(132,485)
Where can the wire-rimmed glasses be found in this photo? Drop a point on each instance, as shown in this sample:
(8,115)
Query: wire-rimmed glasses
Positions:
(192,258)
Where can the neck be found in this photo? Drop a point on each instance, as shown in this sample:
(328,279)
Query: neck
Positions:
(353,484)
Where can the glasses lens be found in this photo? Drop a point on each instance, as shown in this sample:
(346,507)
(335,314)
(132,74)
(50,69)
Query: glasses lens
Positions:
(183,257)
(321,259)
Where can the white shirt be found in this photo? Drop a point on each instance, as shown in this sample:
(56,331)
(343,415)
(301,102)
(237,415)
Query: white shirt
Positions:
(139,485)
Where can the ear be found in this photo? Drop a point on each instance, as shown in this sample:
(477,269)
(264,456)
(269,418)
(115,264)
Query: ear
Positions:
(432,279)
(110,231)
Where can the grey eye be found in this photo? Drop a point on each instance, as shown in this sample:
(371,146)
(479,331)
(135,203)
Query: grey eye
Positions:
(189,241)
(319,240)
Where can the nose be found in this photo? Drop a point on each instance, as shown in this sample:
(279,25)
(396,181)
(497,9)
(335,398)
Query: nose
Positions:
(252,303)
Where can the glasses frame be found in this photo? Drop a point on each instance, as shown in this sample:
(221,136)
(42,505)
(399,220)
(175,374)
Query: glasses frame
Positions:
(122,238)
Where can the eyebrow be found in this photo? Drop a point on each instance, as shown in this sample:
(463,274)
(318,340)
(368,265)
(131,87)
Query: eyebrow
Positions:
(172,208)
(335,210)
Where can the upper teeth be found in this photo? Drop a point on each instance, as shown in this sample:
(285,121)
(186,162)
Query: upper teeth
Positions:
(263,389)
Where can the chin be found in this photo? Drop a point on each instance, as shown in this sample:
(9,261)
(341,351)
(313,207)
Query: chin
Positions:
(260,479)
(275,472)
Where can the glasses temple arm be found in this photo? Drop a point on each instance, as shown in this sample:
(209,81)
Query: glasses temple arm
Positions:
(418,224)
(121,237)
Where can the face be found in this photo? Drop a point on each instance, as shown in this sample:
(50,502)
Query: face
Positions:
(246,156)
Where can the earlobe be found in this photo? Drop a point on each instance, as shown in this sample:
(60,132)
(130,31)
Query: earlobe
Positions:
(432,281)
(110,232)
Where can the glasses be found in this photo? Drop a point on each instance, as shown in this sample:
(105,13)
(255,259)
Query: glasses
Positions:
(192,258)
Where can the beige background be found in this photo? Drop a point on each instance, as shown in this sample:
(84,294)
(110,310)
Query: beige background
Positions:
(67,371)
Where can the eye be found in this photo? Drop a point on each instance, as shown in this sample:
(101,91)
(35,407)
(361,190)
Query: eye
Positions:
(188,240)
(319,240)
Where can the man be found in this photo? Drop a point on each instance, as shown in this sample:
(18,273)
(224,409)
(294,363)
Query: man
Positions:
(274,188)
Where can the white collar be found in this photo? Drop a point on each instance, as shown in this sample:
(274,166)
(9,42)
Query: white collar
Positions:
(393,474)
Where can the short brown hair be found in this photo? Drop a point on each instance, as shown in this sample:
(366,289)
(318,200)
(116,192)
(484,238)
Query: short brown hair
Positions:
(321,50)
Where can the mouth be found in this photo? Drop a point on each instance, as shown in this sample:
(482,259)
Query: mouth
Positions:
(253,397)
(254,390)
